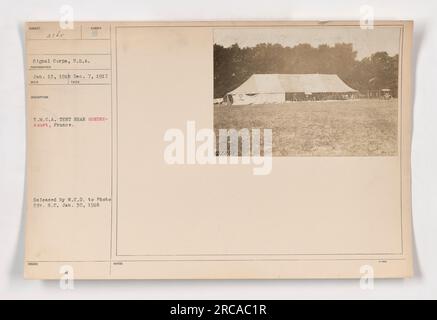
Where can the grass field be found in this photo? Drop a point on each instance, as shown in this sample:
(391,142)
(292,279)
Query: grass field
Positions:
(328,128)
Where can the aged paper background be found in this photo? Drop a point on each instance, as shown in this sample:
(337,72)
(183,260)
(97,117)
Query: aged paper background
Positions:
(313,217)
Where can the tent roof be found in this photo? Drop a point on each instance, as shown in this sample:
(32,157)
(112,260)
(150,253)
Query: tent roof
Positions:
(280,83)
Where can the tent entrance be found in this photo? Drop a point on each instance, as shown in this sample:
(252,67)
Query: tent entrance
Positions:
(295,96)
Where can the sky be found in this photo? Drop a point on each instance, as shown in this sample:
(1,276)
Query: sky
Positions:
(365,42)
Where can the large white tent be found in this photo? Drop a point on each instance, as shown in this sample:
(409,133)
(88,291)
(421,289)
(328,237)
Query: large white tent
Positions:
(278,88)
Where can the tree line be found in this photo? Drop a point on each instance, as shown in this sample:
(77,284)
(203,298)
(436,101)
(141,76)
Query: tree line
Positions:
(234,65)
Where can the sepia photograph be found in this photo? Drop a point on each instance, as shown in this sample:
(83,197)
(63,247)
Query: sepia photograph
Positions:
(323,91)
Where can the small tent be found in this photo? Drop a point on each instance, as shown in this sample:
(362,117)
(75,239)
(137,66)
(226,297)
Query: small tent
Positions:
(279,88)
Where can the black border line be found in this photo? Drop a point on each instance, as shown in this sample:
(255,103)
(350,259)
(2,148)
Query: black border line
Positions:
(402,26)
